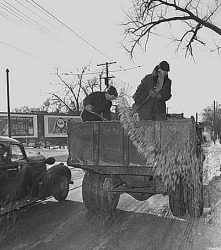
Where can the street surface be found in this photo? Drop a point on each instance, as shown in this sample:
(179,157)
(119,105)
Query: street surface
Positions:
(135,225)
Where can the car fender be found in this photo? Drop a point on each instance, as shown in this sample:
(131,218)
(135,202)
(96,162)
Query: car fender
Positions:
(51,177)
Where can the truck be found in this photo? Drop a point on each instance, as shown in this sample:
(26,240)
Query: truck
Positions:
(113,166)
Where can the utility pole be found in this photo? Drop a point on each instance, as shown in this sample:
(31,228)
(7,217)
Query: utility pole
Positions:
(100,81)
(196,117)
(8,101)
(214,121)
(107,72)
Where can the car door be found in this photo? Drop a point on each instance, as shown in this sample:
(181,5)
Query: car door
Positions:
(16,168)
(3,171)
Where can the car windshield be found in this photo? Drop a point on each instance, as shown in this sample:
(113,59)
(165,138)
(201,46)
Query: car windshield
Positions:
(16,153)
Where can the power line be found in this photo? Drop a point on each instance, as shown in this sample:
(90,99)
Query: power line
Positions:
(76,74)
(13,47)
(4,7)
(120,70)
(40,9)
(12,12)
(54,18)
(43,28)
(36,25)
(66,26)
(16,13)
(36,14)
(6,16)
(43,12)
(112,71)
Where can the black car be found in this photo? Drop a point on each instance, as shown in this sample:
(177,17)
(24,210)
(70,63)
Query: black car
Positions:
(27,178)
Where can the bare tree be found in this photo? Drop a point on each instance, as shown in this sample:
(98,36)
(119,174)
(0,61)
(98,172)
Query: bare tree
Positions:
(148,17)
(70,96)
(46,105)
(26,109)
(208,117)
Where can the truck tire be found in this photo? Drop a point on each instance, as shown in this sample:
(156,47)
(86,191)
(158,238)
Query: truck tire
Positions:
(195,199)
(61,188)
(176,200)
(89,187)
(108,200)
(96,195)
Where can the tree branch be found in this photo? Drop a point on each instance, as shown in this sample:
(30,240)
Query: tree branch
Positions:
(65,104)
(148,15)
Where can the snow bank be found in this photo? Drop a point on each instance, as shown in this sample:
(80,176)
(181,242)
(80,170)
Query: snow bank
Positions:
(212,162)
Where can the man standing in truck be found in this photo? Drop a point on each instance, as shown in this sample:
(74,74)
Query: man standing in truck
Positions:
(97,105)
(152,93)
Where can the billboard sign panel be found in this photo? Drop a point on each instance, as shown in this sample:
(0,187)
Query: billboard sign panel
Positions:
(22,125)
(56,126)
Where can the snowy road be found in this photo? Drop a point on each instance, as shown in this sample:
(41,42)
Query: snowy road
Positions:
(135,225)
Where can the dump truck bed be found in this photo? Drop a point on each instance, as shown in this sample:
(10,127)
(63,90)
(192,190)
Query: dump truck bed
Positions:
(100,144)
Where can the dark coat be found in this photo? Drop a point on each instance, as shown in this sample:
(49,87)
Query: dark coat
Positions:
(100,104)
(153,109)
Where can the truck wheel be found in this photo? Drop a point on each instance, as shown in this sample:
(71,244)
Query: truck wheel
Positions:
(195,198)
(176,200)
(108,200)
(61,188)
(89,187)
(96,195)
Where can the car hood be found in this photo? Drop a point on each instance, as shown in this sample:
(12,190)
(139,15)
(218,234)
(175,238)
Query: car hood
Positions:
(36,159)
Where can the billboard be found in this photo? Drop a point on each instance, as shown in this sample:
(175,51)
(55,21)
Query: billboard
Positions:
(22,125)
(56,126)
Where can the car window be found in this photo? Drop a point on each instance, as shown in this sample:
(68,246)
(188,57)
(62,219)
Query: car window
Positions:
(3,153)
(16,153)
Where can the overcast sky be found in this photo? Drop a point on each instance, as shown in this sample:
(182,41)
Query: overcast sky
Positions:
(32,54)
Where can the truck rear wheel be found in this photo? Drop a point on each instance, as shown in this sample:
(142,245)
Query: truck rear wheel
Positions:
(176,200)
(96,193)
(195,198)
(108,200)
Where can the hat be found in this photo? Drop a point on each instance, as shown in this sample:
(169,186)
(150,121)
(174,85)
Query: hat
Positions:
(112,91)
(164,65)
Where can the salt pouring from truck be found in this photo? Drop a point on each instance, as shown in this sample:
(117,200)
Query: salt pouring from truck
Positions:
(113,166)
